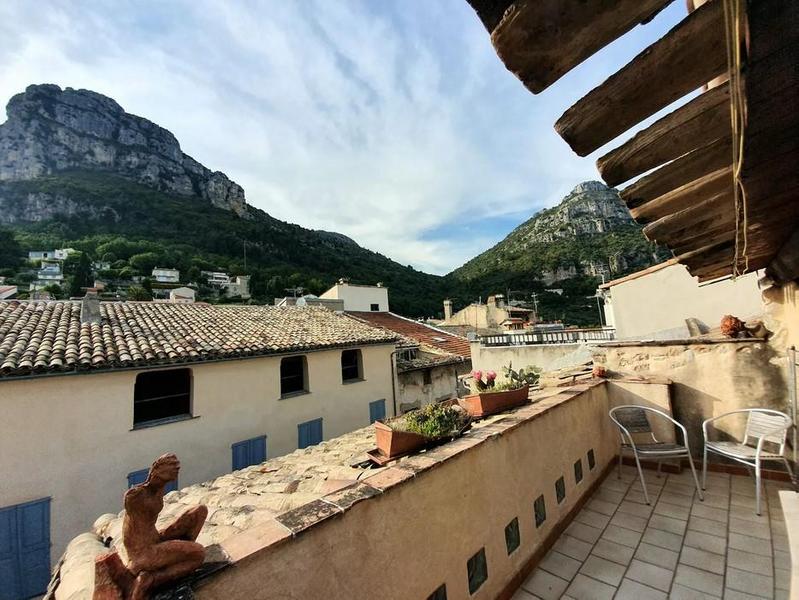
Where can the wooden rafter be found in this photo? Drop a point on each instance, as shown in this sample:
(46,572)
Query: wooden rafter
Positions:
(685,196)
(541,40)
(687,57)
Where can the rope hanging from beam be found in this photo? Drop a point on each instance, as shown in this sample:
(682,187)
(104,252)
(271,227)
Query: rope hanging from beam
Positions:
(733,16)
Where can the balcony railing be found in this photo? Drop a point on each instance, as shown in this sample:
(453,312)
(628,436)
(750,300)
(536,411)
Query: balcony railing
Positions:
(565,336)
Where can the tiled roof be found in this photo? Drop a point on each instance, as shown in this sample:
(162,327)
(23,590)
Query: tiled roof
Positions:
(423,334)
(37,337)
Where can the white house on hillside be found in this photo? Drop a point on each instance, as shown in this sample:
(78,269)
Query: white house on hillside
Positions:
(360,298)
(163,275)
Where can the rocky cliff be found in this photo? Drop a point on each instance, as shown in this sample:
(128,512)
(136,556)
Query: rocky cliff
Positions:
(590,233)
(50,130)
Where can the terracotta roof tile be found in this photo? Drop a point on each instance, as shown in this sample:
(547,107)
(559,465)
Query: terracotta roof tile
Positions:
(423,334)
(37,337)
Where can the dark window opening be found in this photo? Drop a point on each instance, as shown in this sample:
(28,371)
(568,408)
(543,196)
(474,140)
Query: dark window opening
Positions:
(477,570)
(351,365)
(292,375)
(560,489)
(578,471)
(375,307)
(591,459)
(159,395)
(440,593)
(512,535)
(540,510)
(428,377)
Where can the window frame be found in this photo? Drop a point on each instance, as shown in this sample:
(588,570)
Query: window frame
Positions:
(304,389)
(142,423)
(374,307)
(358,366)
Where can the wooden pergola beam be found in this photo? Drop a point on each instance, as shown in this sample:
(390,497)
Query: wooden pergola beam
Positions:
(688,56)
(691,194)
(541,40)
(691,166)
(490,11)
(706,117)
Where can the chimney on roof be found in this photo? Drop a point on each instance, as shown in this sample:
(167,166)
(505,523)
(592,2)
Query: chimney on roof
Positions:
(447,309)
(90,308)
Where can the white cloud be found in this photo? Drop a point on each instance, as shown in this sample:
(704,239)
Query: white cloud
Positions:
(381,121)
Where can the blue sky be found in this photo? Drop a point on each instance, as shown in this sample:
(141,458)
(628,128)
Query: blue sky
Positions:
(393,122)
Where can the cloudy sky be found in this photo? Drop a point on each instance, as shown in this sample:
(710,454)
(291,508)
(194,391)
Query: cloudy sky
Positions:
(393,122)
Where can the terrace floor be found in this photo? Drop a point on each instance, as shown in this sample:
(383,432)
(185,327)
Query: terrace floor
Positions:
(679,547)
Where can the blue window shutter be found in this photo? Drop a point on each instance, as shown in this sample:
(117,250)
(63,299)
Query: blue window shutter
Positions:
(34,535)
(249,452)
(377,410)
(309,433)
(24,550)
(258,450)
(9,571)
(137,477)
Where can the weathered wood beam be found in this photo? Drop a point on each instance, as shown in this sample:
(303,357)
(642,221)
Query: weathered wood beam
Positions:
(685,196)
(691,166)
(705,118)
(704,211)
(490,11)
(784,267)
(541,40)
(688,56)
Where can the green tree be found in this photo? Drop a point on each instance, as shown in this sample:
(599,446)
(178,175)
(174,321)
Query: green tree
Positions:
(136,292)
(145,262)
(10,250)
(81,274)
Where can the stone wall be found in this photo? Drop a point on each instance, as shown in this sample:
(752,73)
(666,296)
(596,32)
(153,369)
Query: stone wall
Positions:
(709,377)
(547,357)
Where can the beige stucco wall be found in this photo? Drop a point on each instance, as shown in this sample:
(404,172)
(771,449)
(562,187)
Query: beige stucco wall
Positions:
(656,305)
(478,315)
(70,437)
(709,379)
(359,297)
(781,307)
(413,393)
(547,357)
(406,542)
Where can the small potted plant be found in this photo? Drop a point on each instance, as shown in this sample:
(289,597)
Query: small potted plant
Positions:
(491,397)
(419,429)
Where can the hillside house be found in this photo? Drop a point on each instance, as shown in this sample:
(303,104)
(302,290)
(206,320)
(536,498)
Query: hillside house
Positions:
(227,285)
(333,304)
(8,292)
(429,360)
(166,275)
(90,392)
(182,294)
(57,254)
(489,316)
(359,298)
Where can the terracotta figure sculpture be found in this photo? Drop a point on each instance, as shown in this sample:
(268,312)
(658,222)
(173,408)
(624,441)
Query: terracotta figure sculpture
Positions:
(154,557)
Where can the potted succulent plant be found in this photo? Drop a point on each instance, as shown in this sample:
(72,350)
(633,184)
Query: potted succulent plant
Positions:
(419,429)
(491,397)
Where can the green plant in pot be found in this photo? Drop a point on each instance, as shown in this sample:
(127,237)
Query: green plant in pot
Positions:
(420,428)
(492,397)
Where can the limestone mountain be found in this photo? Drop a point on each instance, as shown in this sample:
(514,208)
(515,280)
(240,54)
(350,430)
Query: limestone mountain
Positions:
(78,171)
(50,130)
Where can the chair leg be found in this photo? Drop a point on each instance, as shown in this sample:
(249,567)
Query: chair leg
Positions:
(641,476)
(704,469)
(757,489)
(696,479)
(659,461)
(791,474)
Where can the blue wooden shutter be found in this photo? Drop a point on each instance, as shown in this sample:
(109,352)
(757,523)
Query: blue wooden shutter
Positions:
(137,477)
(377,410)
(33,521)
(249,452)
(24,550)
(11,588)
(309,433)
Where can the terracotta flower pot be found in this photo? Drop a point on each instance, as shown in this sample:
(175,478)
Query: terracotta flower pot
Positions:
(393,443)
(488,403)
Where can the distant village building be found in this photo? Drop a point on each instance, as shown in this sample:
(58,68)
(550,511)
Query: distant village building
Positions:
(7,292)
(491,315)
(361,298)
(182,294)
(49,273)
(162,275)
(227,285)
(101,265)
(656,303)
(57,254)
(311,300)
(224,387)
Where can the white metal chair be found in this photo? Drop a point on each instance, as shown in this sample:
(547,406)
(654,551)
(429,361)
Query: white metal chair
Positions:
(632,419)
(763,426)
